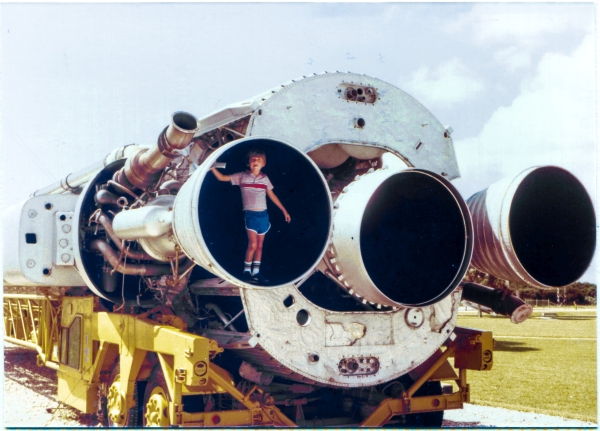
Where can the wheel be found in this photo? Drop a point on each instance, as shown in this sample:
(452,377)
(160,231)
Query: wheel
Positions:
(156,400)
(429,419)
(116,413)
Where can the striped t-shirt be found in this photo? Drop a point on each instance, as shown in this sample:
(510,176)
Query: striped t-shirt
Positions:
(254,189)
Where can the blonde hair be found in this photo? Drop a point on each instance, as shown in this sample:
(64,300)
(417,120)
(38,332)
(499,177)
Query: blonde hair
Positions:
(254,152)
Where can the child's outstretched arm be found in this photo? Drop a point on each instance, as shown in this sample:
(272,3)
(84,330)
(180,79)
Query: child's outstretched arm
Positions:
(220,176)
(277,202)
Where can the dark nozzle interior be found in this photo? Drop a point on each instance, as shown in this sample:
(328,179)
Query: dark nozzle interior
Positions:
(414,239)
(553,226)
(185,121)
(289,249)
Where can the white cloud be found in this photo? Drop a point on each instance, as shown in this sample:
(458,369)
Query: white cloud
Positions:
(451,83)
(551,121)
(512,59)
(525,23)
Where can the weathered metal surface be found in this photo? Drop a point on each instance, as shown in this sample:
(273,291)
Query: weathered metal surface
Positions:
(310,113)
(310,341)
(39,245)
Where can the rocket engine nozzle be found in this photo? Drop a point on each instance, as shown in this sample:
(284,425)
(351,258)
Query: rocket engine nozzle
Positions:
(538,228)
(400,238)
(208,219)
(144,168)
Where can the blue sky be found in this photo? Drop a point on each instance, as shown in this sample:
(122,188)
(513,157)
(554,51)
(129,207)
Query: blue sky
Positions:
(515,80)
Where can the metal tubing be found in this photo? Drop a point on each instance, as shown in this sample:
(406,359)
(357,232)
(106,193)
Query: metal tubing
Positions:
(219,312)
(499,300)
(171,185)
(145,167)
(74,180)
(150,221)
(104,197)
(21,343)
(71,181)
(107,224)
(111,256)
(234,317)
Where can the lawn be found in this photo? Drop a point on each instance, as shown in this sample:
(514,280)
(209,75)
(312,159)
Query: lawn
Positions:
(542,365)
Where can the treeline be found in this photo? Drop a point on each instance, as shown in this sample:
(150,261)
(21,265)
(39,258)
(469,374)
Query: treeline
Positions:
(580,293)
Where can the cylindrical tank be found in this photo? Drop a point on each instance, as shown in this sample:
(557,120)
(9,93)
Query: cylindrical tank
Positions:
(538,227)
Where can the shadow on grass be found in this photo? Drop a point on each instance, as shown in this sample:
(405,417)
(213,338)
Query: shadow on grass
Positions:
(512,346)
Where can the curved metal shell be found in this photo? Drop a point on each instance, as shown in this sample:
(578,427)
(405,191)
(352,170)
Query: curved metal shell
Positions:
(537,228)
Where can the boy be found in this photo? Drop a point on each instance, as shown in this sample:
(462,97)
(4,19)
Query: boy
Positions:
(255,186)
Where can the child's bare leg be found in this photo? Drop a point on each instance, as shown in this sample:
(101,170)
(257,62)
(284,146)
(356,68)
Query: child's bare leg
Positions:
(251,250)
(260,239)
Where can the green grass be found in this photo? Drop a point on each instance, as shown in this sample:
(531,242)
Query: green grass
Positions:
(541,365)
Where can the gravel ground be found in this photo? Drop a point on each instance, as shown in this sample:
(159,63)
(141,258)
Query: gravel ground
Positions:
(29,399)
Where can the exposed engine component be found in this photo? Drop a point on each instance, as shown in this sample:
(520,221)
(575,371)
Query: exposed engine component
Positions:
(500,301)
(146,167)
(357,320)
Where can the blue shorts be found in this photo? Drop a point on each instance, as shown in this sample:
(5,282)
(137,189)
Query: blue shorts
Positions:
(257,221)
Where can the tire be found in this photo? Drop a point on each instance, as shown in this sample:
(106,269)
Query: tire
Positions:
(155,407)
(131,417)
(429,419)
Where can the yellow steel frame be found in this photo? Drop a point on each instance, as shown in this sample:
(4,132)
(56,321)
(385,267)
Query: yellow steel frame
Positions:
(34,321)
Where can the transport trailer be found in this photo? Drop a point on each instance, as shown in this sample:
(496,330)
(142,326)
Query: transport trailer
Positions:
(127,276)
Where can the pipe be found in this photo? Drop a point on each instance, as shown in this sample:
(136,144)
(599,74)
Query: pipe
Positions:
(111,256)
(79,178)
(143,169)
(150,221)
(221,315)
(107,224)
(71,181)
(500,301)
(104,197)
(171,185)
